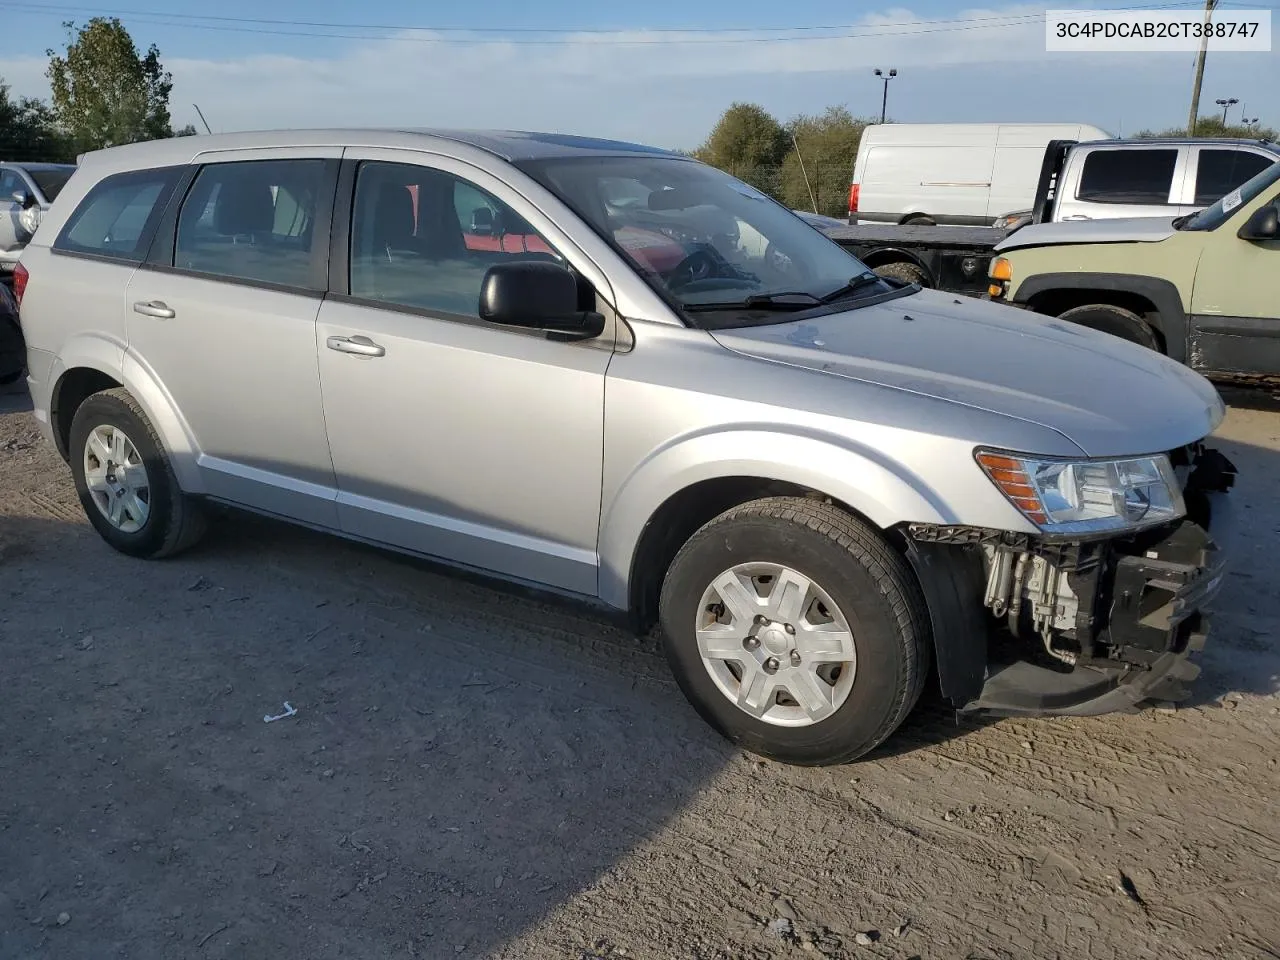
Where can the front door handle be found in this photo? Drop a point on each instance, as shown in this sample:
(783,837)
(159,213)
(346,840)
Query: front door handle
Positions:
(154,308)
(360,346)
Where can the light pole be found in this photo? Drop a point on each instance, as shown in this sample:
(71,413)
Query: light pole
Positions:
(1226,105)
(886,77)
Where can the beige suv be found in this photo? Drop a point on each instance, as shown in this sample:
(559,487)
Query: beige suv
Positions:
(1202,288)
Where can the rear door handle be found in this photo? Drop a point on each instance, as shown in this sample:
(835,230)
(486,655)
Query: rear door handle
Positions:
(154,308)
(360,346)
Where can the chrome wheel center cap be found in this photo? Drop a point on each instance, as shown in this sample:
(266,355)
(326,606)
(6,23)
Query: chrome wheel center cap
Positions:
(774,639)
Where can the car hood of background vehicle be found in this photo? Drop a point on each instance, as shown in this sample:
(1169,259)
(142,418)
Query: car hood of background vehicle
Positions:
(1108,396)
(1120,230)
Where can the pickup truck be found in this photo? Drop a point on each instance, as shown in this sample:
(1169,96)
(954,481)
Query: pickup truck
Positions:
(1202,288)
(1079,181)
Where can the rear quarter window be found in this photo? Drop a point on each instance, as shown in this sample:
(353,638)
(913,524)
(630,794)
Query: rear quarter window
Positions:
(118,216)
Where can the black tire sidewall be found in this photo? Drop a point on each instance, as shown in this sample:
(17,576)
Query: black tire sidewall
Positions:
(860,721)
(1115,321)
(104,410)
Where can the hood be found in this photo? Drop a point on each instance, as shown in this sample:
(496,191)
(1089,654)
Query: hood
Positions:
(1119,230)
(1108,396)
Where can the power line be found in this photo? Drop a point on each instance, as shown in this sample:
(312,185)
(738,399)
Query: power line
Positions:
(567,35)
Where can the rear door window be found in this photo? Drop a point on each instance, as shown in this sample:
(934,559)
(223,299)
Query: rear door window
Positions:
(1218,172)
(117,218)
(252,220)
(1128,176)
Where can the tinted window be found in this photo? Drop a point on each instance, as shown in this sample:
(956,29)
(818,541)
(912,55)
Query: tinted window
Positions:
(252,220)
(10,183)
(51,182)
(1127,176)
(1221,171)
(117,217)
(424,238)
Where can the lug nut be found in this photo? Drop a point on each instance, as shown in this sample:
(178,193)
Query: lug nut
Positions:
(791,628)
(760,619)
(795,658)
(751,642)
(771,665)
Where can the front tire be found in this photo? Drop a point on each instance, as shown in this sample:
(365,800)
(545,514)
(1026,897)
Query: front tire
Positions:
(125,481)
(795,630)
(1116,321)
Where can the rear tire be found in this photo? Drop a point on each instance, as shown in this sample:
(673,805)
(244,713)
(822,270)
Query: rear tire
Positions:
(902,270)
(125,481)
(919,220)
(862,630)
(1116,321)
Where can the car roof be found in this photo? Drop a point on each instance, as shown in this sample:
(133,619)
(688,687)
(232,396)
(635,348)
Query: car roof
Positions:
(510,145)
(1180,141)
(37,166)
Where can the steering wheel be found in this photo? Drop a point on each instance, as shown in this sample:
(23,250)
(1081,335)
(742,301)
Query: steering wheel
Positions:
(699,265)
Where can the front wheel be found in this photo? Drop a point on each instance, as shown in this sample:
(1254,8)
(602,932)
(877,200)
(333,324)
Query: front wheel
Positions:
(1116,321)
(795,630)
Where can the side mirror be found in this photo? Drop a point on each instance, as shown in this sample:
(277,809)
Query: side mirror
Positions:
(24,199)
(1264,225)
(536,295)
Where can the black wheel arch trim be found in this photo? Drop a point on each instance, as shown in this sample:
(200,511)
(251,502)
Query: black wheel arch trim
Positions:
(952,580)
(1171,320)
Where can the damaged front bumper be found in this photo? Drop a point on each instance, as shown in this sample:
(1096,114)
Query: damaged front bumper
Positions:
(1129,614)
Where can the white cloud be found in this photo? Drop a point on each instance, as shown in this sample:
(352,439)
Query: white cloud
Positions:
(670,92)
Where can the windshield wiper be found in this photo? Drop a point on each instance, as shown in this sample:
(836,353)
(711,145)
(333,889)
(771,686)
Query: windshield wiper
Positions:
(857,283)
(782,300)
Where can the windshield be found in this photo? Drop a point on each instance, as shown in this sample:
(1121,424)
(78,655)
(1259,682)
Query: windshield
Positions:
(51,180)
(707,241)
(1210,218)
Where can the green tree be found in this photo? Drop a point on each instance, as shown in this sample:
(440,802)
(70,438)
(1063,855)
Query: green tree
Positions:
(104,93)
(1212,126)
(828,144)
(748,143)
(28,132)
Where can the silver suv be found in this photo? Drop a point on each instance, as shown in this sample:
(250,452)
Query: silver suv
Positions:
(618,373)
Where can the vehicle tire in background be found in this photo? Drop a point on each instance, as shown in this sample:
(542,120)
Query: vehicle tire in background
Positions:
(1116,321)
(125,481)
(795,630)
(903,270)
(919,220)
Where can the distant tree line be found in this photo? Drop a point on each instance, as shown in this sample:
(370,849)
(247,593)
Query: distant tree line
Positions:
(105,93)
(807,162)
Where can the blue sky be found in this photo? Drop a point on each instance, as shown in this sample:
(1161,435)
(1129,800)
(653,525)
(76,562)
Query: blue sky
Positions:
(983,63)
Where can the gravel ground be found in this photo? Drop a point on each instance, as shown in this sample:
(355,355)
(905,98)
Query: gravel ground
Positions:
(473,774)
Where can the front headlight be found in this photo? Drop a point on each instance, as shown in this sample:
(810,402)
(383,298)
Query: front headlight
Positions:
(1087,496)
(30,218)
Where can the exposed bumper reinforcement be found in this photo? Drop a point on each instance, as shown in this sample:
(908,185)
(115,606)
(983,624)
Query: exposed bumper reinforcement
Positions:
(1155,597)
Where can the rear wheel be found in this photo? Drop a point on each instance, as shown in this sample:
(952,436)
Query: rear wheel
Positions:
(1116,321)
(919,220)
(125,482)
(902,270)
(795,631)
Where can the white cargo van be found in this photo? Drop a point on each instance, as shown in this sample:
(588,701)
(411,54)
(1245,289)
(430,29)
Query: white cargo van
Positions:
(952,173)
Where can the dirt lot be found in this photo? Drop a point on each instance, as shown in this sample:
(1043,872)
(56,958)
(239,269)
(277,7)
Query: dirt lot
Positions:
(472,774)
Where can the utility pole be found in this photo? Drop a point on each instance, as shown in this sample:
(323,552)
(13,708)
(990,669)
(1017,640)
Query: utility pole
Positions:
(886,77)
(1195,90)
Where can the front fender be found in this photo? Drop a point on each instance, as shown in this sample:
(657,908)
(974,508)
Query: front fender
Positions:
(110,356)
(881,490)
